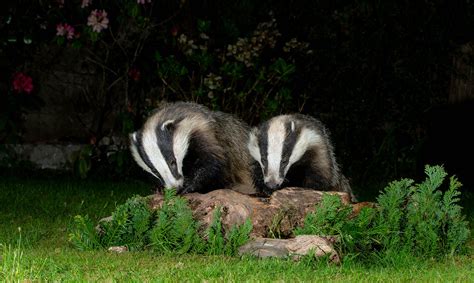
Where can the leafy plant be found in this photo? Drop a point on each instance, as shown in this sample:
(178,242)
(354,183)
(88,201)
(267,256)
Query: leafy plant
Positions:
(84,236)
(329,218)
(128,226)
(82,161)
(410,218)
(237,237)
(171,229)
(390,217)
(175,230)
(215,237)
(435,224)
(219,242)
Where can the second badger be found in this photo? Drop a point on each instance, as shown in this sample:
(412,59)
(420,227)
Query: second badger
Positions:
(295,150)
(193,149)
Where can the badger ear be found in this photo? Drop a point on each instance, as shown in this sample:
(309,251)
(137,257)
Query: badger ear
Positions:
(168,125)
(292,126)
(253,144)
(133,137)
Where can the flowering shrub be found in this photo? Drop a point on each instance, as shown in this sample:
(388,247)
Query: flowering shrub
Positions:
(13,103)
(144,52)
(250,77)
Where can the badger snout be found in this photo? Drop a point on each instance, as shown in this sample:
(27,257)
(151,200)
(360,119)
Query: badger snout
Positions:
(177,184)
(273,183)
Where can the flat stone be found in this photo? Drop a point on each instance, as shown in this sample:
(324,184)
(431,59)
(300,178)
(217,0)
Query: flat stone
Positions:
(118,249)
(295,248)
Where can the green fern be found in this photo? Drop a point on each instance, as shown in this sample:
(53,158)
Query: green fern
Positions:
(175,230)
(423,214)
(237,237)
(391,218)
(215,235)
(84,236)
(454,226)
(129,225)
(409,218)
(219,243)
(329,217)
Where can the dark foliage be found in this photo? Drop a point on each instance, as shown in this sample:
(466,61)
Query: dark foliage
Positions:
(374,71)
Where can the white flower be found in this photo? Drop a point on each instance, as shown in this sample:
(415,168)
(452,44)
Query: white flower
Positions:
(98,20)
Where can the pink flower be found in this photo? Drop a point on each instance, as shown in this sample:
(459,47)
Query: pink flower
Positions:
(98,20)
(85,3)
(22,83)
(60,31)
(143,1)
(65,30)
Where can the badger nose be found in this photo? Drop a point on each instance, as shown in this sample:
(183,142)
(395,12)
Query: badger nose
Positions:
(179,183)
(272,184)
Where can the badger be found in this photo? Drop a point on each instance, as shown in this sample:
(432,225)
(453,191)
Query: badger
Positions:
(193,149)
(295,150)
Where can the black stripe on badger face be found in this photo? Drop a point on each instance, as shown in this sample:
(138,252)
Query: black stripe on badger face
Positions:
(281,138)
(137,141)
(164,138)
(292,135)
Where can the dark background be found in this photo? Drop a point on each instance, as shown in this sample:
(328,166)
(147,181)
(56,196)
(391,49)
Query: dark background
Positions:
(392,80)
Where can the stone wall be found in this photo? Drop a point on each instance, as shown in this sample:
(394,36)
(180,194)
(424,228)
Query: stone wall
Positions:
(71,86)
(46,156)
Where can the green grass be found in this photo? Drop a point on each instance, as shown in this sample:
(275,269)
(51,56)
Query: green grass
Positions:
(44,209)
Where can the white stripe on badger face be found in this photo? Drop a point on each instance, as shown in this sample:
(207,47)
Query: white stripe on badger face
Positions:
(276,137)
(306,139)
(181,138)
(151,149)
(253,147)
(182,135)
(137,156)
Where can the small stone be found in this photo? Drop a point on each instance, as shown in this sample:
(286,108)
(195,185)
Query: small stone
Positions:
(118,249)
(305,244)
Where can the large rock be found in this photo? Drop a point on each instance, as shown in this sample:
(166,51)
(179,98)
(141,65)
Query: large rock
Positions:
(274,216)
(277,215)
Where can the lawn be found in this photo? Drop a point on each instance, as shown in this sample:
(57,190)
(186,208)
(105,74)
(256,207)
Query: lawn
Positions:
(35,216)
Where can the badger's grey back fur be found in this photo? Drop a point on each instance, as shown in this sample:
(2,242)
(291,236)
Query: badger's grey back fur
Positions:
(208,148)
(296,150)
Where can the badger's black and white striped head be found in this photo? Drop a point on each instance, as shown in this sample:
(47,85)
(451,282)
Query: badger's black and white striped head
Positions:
(161,146)
(278,144)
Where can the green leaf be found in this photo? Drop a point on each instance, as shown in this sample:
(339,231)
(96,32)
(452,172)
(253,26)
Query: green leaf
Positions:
(158,56)
(203,26)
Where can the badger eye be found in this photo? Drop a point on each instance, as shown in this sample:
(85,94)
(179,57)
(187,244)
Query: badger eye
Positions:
(173,163)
